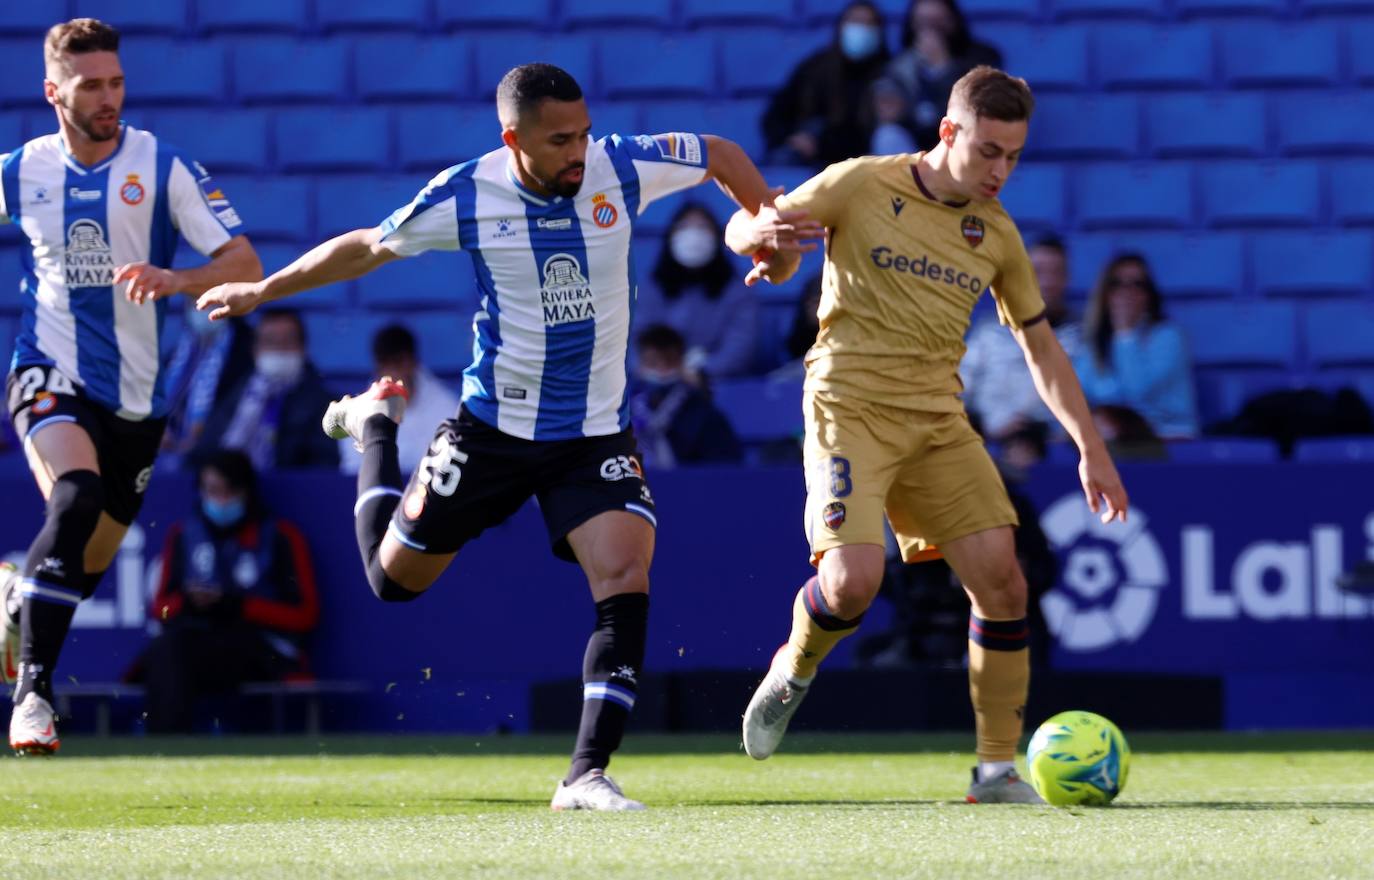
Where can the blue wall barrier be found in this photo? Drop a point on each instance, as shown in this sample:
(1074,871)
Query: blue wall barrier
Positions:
(1222,570)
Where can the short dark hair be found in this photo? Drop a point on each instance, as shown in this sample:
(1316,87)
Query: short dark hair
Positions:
(989,93)
(1050,241)
(523,88)
(661,337)
(78,37)
(288,314)
(391,342)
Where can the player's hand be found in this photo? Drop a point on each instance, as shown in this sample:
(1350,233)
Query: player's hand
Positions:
(1102,486)
(771,266)
(230,300)
(791,230)
(146,282)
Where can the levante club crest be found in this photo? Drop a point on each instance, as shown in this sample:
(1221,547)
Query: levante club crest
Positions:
(972,228)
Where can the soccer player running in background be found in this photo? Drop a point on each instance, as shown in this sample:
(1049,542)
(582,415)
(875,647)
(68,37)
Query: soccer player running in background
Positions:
(101,204)
(914,240)
(547,220)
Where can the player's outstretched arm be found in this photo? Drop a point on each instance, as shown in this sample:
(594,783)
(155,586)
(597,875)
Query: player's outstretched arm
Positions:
(346,257)
(1058,386)
(235,260)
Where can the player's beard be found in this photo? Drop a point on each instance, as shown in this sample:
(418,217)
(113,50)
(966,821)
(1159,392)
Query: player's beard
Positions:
(567,188)
(97,132)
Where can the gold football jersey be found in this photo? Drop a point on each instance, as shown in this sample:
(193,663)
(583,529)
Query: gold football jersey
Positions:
(902,273)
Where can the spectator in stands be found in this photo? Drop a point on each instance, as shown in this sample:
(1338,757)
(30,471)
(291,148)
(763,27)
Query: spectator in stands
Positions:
(937,49)
(395,354)
(819,116)
(236,599)
(210,358)
(801,334)
(699,293)
(997,383)
(1131,356)
(674,421)
(274,413)
(893,126)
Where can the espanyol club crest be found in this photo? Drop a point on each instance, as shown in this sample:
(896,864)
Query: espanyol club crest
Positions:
(604,213)
(131,191)
(972,228)
(833,515)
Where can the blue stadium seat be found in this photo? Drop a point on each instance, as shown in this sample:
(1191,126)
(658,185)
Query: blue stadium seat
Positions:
(149,16)
(253,16)
(1313,262)
(1339,333)
(1263,53)
(761,410)
(644,251)
(344,203)
(1261,193)
(222,140)
(340,342)
(1136,56)
(1311,7)
(444,337)
(1192,263)
(1232,334)
(407,68)
(278,255)
(11,131)
(1335,449)
(696,13)
(736,120)
(1035,197)
(615,13)
(498,52)
(1047,57)
(787,176)
(524,14)
(319,70)
(1135,195)
(1326,123)
(431,280)
(1360,36)
(1107,8)
(616,117)
(33,18)
(985,10)
(1106,126)
(11,273)
(333,140)
(1352,192)
(655,64)
(1088,254)
(160,70)
(8,330)
(1361,379)
(21,73)
(739,58)
(272,208)
(1219,450)
(370,15)
(1206,125)
(433,137)
(1222,391)
(1199,8)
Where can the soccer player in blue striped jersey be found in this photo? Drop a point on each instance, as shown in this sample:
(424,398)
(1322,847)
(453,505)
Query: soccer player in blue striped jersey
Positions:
(102,205)
(547,219)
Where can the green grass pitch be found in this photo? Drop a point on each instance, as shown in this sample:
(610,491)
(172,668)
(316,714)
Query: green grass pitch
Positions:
(836,806)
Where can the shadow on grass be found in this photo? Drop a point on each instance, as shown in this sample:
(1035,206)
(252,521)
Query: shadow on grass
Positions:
(718,745)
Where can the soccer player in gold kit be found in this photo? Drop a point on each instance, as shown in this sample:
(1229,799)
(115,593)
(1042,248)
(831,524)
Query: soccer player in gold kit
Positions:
(912,242)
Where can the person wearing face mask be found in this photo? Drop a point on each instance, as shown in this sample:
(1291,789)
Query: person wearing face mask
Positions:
(937,49)
(674,421)
(697,292)
(235,602)
(272,414)
(1131,357)
(820,115)
(210,358)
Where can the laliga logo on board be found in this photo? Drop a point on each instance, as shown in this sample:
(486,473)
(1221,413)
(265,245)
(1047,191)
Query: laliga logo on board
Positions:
(1111,579)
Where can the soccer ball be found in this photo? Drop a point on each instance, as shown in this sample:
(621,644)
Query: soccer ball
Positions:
(1078,758)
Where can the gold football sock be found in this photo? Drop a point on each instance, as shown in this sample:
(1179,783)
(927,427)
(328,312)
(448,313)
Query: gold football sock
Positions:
(815,631)
(998,681)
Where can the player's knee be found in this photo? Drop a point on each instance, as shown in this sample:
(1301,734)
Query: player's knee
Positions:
(1001,595)
(76,500)
(632,577)
(387,589)
(850,591)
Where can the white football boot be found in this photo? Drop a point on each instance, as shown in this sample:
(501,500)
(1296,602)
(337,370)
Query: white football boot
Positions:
(593,790)
(770,710)
(33,727)
(345,417)
(1006,787)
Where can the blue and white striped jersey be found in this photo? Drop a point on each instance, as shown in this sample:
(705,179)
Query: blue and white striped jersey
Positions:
(82,223)
(555,275)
